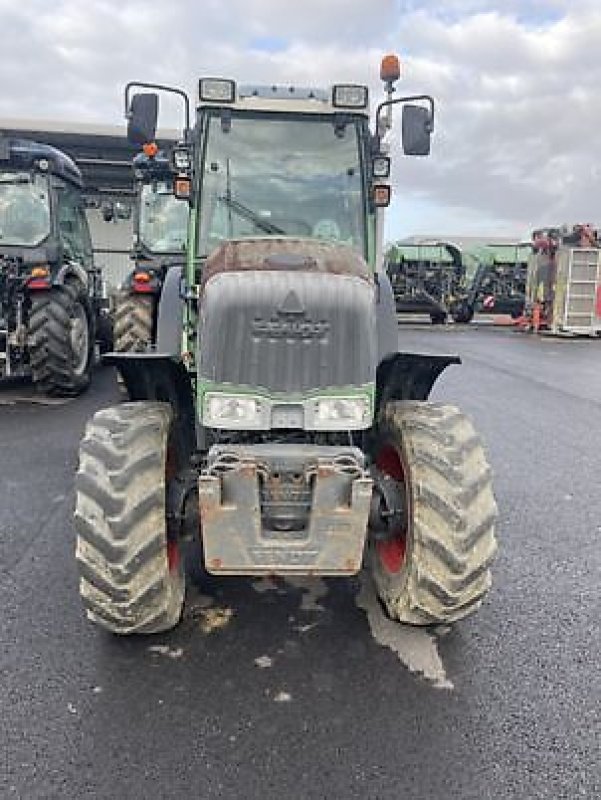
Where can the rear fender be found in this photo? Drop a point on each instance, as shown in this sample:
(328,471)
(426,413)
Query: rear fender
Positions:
(71,270)
(170,316)
(409,376)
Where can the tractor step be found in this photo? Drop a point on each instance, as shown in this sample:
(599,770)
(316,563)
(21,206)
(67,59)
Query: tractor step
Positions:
(284,509)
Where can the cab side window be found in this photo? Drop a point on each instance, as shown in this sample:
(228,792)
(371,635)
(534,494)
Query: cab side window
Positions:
(72,226)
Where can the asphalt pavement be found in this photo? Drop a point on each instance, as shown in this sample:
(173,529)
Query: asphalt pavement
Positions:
(304,689)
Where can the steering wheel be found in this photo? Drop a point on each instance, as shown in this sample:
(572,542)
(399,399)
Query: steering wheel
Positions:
(326,229)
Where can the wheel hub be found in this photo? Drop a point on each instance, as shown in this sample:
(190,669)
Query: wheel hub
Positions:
(388,520)
(387,512)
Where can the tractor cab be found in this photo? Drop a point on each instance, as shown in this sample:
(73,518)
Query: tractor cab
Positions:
(282,164)
(160,238)
(160,220)
(41,207)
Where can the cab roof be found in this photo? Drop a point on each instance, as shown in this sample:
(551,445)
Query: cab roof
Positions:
(23,153)
(278,98)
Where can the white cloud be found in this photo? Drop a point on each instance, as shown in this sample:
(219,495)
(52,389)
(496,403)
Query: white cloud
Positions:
(516,82)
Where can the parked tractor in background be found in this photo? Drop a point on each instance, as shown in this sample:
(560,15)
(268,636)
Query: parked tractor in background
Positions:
(276,419)
(496,283)
(160,231)
(426,278)
(51,298)
(563,293)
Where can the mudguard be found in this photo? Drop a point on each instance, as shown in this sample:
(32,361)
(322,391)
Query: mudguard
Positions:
(154,376)
(171,314)
(409,376)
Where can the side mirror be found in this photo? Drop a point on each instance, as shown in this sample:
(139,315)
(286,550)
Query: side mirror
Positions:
(142,118)
(417,128)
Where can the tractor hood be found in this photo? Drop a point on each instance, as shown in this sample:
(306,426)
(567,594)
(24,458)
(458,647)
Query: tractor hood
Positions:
(287,316)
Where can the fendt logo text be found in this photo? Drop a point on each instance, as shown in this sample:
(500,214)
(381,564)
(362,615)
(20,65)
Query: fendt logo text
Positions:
(289,326)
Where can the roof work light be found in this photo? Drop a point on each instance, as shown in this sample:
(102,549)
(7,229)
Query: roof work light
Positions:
(349,96)
(216,90)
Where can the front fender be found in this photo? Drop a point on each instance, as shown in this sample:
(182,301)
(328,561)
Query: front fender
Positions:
(152,376)
(409,376)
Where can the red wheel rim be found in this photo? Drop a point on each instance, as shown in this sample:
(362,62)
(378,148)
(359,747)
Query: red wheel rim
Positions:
(391,551)
(173,556)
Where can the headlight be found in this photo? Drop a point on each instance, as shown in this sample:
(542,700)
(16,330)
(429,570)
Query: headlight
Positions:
(348,96)
(216,90)
(342,413)
(237,411)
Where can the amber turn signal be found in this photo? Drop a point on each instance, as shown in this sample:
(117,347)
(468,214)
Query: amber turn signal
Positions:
(182,188)
(381,195)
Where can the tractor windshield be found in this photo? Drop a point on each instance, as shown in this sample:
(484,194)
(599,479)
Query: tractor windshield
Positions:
(281,175)
(24,209)
(163,219)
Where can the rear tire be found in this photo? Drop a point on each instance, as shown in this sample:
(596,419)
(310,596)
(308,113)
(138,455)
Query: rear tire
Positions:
(463,314)
(438,318)
(61,340)
(134,322)
(132,576)
(436,567)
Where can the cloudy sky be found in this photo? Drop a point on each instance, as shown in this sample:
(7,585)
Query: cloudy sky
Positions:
(517,83)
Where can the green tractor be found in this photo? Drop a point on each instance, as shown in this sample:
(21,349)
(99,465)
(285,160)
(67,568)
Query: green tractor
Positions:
(497,283)
(52,306)
(426,278)
(160,231)
(276,419)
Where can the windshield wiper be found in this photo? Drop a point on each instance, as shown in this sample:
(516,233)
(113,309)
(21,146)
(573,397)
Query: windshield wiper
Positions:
(247,213)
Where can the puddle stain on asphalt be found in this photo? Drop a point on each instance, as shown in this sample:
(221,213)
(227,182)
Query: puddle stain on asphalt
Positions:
(213,619)
(313,589)
(263,585)
(415,647)
(264,662)
(165,650)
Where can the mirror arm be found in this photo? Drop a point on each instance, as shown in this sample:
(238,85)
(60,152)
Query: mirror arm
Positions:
(408,99)
(173,90)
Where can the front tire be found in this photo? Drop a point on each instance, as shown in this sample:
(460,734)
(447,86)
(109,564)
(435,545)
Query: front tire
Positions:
(434,567)
(61,340)
(132,577)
